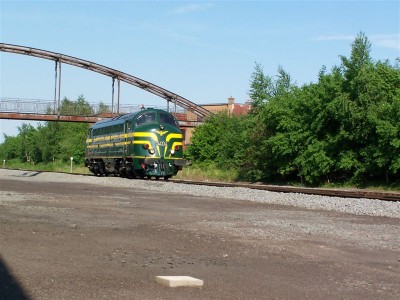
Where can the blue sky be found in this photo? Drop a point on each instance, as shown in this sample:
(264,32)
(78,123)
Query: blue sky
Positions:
(204,51)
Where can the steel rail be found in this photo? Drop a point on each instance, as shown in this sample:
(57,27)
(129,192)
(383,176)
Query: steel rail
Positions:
(345,193)
(199,111)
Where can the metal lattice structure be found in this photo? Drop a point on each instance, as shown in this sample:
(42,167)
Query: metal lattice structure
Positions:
(199,111)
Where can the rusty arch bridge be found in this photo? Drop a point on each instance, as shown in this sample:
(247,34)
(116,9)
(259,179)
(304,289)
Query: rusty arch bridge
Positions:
(20,109)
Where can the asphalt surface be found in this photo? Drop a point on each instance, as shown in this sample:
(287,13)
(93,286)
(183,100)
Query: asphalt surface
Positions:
(63,240)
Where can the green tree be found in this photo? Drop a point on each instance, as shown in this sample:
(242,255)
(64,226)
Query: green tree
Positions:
(50,133)
(79,107)
(103,108)
(10,148)
(345,126)
(270,154)
(261,88)
(221,140)
(29,150)
(72,141)
(354,66)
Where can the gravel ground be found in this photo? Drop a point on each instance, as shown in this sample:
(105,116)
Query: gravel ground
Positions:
(68,236)
(347,205)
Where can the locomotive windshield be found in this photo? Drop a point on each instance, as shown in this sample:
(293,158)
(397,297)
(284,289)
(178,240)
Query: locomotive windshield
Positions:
(166,118)
(149,117)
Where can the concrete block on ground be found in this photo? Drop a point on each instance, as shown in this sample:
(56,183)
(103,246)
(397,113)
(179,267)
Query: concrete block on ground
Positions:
(177,281)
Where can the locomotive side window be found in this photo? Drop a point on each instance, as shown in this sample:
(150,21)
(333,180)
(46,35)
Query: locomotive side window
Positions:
(149,117)
(167,119)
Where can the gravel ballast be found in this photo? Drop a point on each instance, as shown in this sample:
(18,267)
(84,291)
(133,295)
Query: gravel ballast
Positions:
(357,206)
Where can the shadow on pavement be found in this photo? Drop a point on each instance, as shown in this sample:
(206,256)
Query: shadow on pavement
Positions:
(9,287)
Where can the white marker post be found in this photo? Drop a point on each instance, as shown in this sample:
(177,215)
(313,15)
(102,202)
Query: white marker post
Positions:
(71,163)
(4,163)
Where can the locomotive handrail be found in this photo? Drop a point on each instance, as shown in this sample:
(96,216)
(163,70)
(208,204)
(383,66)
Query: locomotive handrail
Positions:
(91,66)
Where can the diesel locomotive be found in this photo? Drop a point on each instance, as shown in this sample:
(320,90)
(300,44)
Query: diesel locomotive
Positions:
(147,143)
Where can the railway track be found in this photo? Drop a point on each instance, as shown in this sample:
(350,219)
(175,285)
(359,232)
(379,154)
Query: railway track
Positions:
(346,193)
(330,192)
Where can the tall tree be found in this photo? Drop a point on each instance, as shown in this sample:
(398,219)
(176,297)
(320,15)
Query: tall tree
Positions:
(261,87)
(354,66)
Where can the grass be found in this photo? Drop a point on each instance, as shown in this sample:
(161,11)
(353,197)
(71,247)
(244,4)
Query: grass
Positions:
(207,173)
(373,185)
(64,167)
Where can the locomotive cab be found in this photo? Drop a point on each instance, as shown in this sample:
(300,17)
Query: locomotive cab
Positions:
(161,144)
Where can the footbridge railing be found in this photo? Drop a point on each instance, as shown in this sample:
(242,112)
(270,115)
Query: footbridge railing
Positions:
(39,106)
(43,110)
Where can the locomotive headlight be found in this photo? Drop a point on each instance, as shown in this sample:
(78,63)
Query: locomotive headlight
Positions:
(172,151)
(151,151)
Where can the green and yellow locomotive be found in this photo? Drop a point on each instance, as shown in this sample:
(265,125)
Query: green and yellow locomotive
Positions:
(147,143)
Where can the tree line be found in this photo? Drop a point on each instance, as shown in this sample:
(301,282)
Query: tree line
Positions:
(51,142)
(343,128)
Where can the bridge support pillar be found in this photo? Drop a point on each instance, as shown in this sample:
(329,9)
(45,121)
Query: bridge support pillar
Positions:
(59,90)
(57,82)
(55,88)
(112,96)
(113,92)
(119,88)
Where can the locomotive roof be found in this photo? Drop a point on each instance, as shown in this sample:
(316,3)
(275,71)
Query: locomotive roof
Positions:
(122,118)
